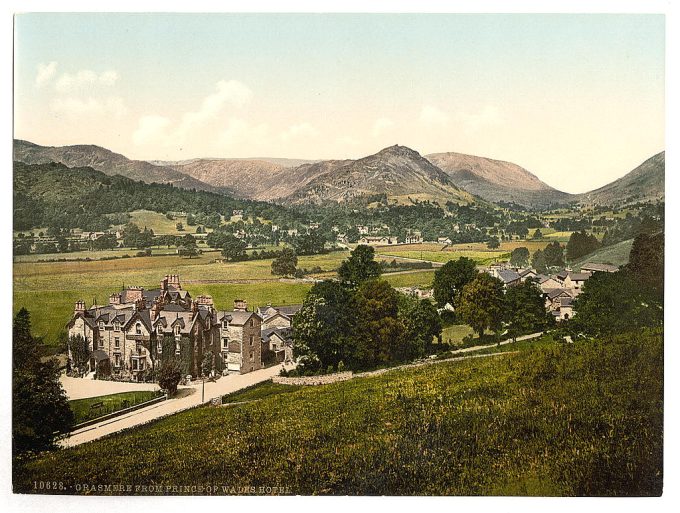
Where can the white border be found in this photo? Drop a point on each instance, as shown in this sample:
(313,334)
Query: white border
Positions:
(44,504)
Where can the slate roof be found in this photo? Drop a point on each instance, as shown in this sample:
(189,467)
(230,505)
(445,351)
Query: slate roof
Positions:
(579,276)
(591,266)
(236,317)
(553,293)
(284,333)
(508,276)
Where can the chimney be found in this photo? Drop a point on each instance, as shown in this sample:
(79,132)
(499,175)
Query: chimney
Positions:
(80,307)
(164,283)
(173,281)
(240,305)
(114,299)
(156,308)
(204,300)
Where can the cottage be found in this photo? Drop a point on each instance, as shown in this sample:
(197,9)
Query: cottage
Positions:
(444,240)
(278,316)
(241,339)
(377,241)
(593,268)
(278,342)
(575,281)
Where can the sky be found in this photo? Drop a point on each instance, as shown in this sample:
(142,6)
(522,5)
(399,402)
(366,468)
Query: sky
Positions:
(578,100)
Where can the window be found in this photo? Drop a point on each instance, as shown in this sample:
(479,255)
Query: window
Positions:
(177,329)
(251,356)
(101,325)
(138,328)
(101,342)
(252,322)
(116,326)
(160,347)
(225,343)
(225,324)
(116,342)
(251,340)
(116,360)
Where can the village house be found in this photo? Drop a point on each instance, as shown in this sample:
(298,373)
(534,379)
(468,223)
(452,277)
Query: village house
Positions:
(127,337)
(414,237)
(277,316)
(444,240)
(575,281)
(377,241)
(363,230)
(593,268)
(241,339)
(547,283)
(278,342)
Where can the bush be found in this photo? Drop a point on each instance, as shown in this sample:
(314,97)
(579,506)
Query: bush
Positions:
(170,375)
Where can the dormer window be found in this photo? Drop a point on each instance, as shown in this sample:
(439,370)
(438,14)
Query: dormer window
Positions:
(225,324)
(116,326)
(101,325)
(177,329)
(252,322)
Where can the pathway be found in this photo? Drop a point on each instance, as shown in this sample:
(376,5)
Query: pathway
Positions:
(187,397)
(508,341)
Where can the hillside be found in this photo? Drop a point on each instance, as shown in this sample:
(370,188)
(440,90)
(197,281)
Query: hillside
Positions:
(251,178)
(616,254)
(567,420)
(56,195)
(645,182)
(396,171)
(496,180)
(105,161)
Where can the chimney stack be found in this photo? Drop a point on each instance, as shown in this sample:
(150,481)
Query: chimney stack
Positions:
(240,305)
(164,283)
(80,307)
(114,299)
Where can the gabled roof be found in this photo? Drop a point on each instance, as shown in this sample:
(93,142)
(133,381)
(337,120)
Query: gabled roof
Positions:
(508,276)
(553,293)
(284,334)
(236,317)
(591,266)
(579,276)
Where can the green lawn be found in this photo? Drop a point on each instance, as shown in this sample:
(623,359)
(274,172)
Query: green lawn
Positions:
(82,410)
(566,420)
(454,334)
(258,392)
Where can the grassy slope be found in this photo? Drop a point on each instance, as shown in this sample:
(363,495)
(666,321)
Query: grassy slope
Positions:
(82,410)
(616,255)
(582,419)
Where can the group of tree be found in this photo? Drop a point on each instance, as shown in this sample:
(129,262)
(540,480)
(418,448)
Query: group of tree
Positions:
(581,244)
(285,264)
(551,256)
(133,237)
(626,300)
(481,301)
(361,322)
(39,404)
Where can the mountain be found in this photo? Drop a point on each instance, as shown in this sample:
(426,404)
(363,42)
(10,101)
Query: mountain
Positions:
(250,178)
(497,180)
(645,182)
(397,171)
(106,161)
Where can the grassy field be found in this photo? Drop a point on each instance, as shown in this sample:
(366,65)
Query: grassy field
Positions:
(455,334)
(82,410)
(566,420)
(480,257)
(258,392)
(49,290)
(616,254)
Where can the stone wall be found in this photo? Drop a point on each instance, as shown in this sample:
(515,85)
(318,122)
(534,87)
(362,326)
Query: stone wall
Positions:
(314,380)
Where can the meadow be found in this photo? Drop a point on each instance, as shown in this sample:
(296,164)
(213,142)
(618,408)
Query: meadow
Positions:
(50,289)
(558,420)
(83,411)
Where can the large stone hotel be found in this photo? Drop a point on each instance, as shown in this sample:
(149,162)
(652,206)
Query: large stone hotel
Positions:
(127,337)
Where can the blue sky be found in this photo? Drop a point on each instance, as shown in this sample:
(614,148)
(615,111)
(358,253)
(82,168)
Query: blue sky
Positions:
(576,99)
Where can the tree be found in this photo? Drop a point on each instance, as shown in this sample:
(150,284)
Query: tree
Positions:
(493,243)
(352,234)
(482,303)
(233,248)
(422,325)
(538,261)
(207,364)
(554,255)
(379,329)
(285,264)
(614,302)
(311,243)
(39,404)
(525,309)
(538,234)
(359,267)
(170,375)
(324,327)
(188,246)
(646,262)
(80,352)
(519,257)
(450,279)
(179,227)
(581,244)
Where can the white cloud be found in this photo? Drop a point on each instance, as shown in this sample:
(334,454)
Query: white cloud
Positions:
(433,117)
(150,129)
(232,92)
(112,106)
(381,126)
(303,130)
(85,80)
(487,117)
(239,131)
(45,73)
